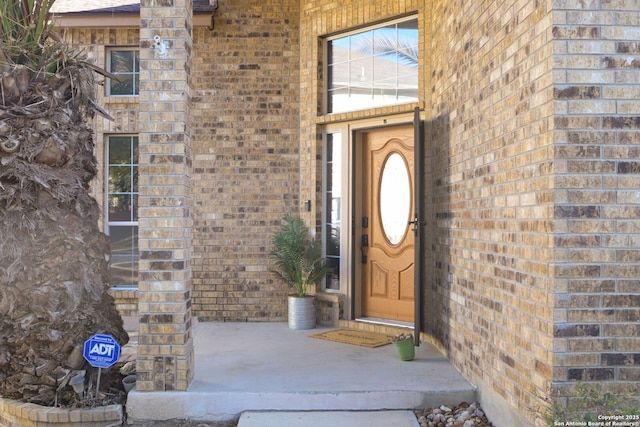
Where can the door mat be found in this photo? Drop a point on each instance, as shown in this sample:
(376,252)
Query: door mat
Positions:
(350,336)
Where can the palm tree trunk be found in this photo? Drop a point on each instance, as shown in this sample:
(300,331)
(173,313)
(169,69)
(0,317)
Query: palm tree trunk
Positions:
(54,276)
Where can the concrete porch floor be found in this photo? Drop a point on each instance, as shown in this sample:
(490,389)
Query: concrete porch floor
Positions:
(243,367)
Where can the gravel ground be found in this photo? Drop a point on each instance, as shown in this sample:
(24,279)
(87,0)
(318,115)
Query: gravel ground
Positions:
(462,415)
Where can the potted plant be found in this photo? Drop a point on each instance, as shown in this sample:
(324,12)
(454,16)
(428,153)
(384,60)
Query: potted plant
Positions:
(404,346)
(298,263)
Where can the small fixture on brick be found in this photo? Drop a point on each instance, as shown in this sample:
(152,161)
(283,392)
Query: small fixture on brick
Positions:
(161,46)
(213,3)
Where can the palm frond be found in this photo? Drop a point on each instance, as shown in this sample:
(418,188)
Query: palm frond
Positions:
(25,31)
(297,256)
(384,44)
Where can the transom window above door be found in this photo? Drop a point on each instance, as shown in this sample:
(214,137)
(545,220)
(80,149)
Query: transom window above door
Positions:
(374,67)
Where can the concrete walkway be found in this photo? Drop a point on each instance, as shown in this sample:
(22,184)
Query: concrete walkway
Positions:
(242,367)
(329,419)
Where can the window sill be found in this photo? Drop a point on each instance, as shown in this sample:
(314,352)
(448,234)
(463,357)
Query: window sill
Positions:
(125,99)
(120,292)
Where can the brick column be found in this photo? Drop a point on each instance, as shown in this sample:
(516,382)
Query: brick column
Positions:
(165,351)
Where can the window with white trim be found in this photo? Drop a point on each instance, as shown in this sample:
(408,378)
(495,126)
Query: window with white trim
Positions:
(374,67)
(122,208)
(124,63)
(332,217)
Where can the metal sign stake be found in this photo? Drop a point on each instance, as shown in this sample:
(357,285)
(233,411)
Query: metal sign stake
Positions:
(98,384)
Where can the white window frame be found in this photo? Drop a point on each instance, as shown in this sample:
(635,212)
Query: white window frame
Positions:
(136,87)
(108,223)
(326,95)
(332,130)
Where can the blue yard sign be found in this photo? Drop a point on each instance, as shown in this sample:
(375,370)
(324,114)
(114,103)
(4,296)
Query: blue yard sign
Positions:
(101,351)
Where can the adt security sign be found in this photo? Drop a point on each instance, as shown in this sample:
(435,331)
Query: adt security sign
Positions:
(101,351)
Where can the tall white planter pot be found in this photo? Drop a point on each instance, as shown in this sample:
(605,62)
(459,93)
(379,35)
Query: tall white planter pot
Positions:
(302,312)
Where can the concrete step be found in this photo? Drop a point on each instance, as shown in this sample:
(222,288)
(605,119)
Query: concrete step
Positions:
(242,367)
(328,419)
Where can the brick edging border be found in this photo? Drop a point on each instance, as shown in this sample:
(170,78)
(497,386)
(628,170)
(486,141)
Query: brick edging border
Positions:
(14,413)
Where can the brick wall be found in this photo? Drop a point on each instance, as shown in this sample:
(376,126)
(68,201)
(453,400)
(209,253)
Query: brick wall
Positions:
(535,124)
(246,156)
(126,300)
(491,184)
(165,342)
(14,413)
(597,132)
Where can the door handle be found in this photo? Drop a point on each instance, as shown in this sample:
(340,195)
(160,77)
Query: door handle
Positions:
(364,245)
(415,223)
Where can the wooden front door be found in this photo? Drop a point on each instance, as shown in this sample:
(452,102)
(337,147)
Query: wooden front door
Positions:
(387,241)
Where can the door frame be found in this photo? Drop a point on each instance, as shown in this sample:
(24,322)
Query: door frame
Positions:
(350,271)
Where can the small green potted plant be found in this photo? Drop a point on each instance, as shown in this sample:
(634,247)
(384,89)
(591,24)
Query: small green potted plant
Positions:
(404,346)
(298,264)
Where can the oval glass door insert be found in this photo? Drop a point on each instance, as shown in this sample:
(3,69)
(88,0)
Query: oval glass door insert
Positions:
(395,198)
